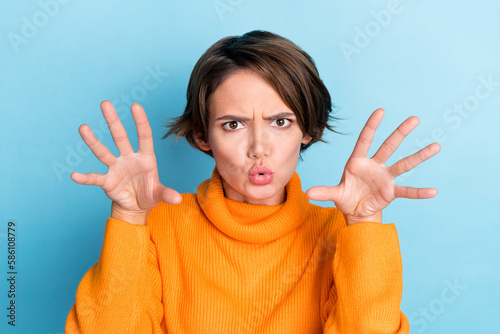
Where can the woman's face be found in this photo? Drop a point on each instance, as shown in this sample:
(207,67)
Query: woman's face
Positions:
(254,138)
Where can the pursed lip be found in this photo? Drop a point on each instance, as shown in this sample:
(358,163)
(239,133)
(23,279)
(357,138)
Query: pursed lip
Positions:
(256,170)
(261,175)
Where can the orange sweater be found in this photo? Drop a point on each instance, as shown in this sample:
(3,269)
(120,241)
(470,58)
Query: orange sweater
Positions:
(214,265)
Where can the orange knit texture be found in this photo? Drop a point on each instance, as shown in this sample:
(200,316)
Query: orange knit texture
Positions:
(213,265)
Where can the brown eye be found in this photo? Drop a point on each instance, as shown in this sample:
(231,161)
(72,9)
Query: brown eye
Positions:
(281,122)
(232,125)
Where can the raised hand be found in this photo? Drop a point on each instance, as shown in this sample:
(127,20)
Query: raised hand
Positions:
(367,185)
(132,181)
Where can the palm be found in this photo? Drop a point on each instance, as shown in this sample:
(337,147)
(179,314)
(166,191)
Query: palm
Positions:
(367,185)
(132,180)
(365,188)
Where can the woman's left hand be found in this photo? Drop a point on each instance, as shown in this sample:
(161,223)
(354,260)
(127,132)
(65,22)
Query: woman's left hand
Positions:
(367,185)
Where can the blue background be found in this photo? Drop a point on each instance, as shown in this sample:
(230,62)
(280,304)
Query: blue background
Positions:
(61,59)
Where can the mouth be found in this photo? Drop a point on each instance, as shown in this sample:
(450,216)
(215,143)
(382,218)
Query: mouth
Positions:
(261,175)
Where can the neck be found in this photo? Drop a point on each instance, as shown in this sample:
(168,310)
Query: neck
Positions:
(233,194)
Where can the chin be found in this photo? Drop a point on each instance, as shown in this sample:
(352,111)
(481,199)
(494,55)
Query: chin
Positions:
(263,195)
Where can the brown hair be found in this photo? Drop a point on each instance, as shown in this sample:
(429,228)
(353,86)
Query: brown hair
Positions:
(289,69)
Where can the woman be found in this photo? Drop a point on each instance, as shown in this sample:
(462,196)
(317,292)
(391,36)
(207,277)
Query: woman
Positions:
(248,252)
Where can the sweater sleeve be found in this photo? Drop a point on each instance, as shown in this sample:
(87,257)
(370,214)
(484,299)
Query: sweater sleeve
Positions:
(121,293)
(368,284)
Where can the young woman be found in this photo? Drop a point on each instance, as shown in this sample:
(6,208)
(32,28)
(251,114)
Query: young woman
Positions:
(247,253)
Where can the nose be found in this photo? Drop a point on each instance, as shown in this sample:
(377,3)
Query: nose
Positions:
(259,143)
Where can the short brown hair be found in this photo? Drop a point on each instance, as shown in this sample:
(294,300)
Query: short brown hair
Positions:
(289,69)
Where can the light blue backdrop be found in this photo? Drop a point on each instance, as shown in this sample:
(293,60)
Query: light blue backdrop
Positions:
(439,60)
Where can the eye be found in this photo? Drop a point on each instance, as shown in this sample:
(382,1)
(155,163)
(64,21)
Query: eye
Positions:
(281,122)
(232,125)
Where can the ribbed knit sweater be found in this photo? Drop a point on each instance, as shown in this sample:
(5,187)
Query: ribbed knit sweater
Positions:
(214,265)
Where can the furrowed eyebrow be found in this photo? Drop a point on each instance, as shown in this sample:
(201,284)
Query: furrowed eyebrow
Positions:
(232,118)
(243,119)
(280,115)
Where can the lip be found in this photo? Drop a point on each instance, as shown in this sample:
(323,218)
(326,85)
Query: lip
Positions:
(261,175)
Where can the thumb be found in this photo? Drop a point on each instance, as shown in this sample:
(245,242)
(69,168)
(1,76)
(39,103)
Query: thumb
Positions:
(324,193)
(167,195)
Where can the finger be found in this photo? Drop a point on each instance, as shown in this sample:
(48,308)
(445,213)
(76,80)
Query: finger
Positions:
(92,179)
(394,140)
(323,193)
(408,163)
(144,134)
(167,195)
(100,151)
(415,193)
(366,136)
(116,128)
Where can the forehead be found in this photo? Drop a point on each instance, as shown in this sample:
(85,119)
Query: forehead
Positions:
(246,92)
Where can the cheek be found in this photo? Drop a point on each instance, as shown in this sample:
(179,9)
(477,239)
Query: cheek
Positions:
(290,153)
(289,146)
(229,157)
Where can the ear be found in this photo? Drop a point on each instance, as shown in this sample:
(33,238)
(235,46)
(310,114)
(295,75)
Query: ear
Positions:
(202,144)
(306,139)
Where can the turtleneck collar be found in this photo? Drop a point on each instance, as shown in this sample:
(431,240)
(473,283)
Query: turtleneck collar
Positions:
(248,222)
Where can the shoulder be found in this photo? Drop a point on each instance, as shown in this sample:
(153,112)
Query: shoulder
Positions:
(164,214)
(189,202)
(329,215)
(329,220)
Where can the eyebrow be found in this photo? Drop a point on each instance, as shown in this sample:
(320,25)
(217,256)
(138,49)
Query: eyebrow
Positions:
(242,119)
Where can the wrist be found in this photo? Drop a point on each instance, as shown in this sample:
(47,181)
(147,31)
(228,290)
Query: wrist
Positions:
(352,220)
(132,217)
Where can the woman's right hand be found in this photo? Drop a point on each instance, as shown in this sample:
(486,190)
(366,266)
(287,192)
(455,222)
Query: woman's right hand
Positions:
(132,181)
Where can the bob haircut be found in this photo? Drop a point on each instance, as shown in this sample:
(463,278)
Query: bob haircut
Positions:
(285,66)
